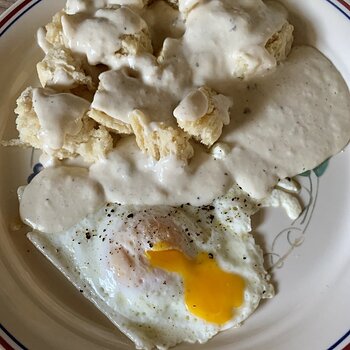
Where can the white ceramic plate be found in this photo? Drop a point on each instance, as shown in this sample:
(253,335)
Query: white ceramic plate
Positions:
(39,309)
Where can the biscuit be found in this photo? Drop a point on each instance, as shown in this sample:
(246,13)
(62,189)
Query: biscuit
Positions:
(136,43)
(202,114)
(92,142)
(121,40)
(77,6)
(280,44)
(159,140)
(54,31)
(112,124)
(61,71)
(183,5)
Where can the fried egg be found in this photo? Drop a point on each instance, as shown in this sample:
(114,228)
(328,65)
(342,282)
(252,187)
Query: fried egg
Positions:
(165,275)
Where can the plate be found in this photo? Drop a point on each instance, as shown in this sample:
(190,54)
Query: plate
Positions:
(39,309)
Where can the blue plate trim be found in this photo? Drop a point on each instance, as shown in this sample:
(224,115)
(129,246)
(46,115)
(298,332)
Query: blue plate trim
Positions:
(339,341)
(339,8)
(12,337)
(17,18)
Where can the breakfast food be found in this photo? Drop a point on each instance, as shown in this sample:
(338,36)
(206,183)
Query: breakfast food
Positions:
(158,149)
(121,258)
(60,136)
(116,126)
(146,295)
(60,70)
(280,43)
(54,30)
(202,114)
(160,141)
(113,32)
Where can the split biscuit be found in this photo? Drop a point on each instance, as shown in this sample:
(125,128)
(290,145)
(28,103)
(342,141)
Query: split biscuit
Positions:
(159,140)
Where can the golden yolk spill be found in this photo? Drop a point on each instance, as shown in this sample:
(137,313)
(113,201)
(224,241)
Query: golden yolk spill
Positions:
(210,292)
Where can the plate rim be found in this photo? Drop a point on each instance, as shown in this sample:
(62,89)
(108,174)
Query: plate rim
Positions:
(7,19)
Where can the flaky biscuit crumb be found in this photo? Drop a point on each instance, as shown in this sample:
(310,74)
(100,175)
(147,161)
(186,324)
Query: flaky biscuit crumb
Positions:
(183,5)
(60,70)
(54,31)
(92,142)
(136,44)
(112,124)
(121,42)
(130,44)
(280,44)
(159,140)
(207,127)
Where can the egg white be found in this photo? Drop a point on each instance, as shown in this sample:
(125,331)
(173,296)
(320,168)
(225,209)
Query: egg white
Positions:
(104,257)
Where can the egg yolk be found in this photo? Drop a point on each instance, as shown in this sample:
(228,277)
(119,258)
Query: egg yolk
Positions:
(210,293)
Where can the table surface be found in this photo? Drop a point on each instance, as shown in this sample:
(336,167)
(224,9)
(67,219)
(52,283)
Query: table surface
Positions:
(4,4)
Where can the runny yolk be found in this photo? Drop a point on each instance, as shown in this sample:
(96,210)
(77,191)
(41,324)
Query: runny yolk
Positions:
(210,293)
